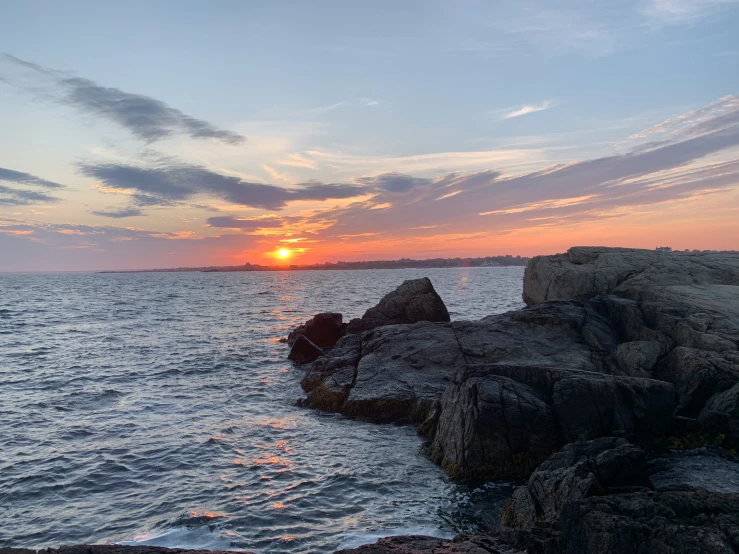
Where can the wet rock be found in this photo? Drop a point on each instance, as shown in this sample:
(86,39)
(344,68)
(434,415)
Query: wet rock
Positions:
(304,351)
(417,544)
(414,300)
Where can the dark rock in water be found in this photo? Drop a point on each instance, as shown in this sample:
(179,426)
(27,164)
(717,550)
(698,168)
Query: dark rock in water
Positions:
(329,380)
(417,544)
(325,329)
(322,329)
(304,351)
(414,300)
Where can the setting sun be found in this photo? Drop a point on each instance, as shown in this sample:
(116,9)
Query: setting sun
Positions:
(283,253)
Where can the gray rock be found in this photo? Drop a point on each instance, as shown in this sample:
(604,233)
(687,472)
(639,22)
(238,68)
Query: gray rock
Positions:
(637,358)
(585,272)
(580,470)
(596,497)
(414,300)
(645,523)
(721,413)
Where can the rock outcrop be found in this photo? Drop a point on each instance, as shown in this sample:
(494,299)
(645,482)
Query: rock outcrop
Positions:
(495,396)
(618,350)
(415,300)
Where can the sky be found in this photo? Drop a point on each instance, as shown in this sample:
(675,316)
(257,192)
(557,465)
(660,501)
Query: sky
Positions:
(137,135)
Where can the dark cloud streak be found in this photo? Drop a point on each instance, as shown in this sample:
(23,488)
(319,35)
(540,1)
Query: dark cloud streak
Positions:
(171,183)
(147,118)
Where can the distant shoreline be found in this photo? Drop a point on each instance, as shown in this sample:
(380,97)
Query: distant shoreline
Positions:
(436,263)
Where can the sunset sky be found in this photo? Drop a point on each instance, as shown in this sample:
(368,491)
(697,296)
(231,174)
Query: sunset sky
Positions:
(163,134)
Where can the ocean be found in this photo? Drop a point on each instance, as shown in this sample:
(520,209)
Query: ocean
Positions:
(159,409)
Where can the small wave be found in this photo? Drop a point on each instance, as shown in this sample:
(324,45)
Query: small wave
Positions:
(200,538)
(355,540)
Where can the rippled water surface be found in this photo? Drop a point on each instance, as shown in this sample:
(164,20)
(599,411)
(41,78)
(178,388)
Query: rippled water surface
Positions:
(159,408)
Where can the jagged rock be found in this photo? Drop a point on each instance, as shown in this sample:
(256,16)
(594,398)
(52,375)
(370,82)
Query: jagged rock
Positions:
(414,300)
(579,470)
(417,544)
(304,351)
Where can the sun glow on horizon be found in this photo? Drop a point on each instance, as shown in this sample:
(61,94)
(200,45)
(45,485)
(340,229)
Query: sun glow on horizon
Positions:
(284,253)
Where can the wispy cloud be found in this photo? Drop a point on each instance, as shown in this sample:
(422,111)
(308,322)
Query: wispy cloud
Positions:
(509,113)
(683,11)
(244,223)
(170,182)
(120,213)
(15,196)
(698,162)
(21,178)
(147,118)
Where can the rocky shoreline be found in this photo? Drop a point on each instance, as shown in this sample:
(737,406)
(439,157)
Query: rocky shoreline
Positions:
(614,395)
(619,356)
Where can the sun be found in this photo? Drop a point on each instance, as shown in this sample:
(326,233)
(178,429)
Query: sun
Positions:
(283,253)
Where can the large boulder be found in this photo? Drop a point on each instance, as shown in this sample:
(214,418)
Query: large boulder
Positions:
(323,330)
(414,300)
